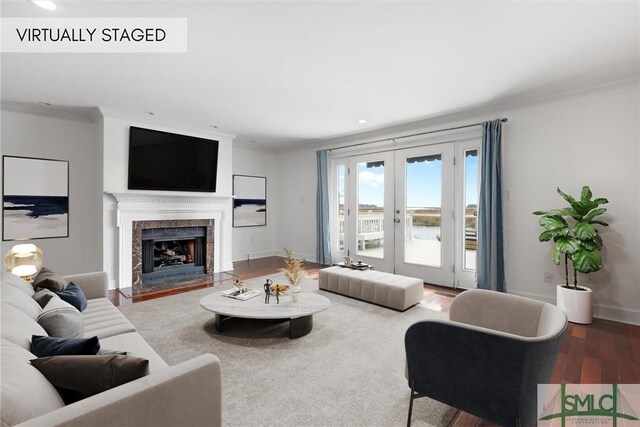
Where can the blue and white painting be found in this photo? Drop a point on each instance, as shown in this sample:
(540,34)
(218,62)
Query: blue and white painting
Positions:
(249,201)
(35,198)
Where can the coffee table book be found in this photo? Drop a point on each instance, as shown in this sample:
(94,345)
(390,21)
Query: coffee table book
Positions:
(236,294)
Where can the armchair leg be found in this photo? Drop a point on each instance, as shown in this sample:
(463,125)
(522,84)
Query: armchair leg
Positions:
(410,404)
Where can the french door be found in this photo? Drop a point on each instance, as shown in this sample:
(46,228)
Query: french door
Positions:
(410,211)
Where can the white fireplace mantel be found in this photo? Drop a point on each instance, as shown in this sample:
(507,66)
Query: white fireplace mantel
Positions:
(155,207)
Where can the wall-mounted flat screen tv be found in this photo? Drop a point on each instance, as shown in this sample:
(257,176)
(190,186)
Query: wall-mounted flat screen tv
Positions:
(166,161)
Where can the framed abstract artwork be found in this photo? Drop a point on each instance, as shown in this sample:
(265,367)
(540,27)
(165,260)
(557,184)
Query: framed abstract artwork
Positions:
(35,198)
(249,201)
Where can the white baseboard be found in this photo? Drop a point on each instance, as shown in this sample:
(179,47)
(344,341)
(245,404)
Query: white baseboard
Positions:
(275,252)
(258,254)
(600,311)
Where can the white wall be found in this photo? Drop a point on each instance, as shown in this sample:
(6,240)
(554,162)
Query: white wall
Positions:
(37,135)
(297,202)
(115,158)
(257,242)
(584,139)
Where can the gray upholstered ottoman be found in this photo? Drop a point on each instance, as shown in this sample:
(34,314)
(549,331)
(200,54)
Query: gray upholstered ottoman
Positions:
(389,290)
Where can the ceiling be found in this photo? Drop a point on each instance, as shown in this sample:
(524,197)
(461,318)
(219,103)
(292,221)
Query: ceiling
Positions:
(289,72)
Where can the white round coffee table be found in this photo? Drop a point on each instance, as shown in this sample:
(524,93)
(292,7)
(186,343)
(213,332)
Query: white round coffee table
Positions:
(300,314)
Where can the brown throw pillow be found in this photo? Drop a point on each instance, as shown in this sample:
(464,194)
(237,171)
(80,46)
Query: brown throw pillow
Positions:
(49,280)
(78,377)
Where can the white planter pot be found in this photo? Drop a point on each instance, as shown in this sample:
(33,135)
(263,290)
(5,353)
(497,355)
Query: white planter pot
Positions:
(577,304)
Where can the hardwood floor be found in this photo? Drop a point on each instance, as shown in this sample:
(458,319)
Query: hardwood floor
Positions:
(604,352)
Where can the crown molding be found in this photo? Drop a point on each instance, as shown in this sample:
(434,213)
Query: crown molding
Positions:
(77,114)
(459,117)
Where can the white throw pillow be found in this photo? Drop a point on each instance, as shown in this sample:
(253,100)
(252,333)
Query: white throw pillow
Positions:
(61,319)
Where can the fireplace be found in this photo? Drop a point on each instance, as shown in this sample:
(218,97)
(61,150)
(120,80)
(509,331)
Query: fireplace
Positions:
(173,252)
(170,250)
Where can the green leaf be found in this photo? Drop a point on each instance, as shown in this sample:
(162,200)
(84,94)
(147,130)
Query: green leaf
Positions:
(594,213)
(586,261)
(539,213)
(583,208)
(593,221)
(567,197)
(567,244)
(555,255)
(590,245)
(586,195)
(598,241)
(584,231)
(601,201)
(545,236)
(553,222)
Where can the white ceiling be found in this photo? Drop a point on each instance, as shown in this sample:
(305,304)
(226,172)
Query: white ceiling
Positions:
(285,72)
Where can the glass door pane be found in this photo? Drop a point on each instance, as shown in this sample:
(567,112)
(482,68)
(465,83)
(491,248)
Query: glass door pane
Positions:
(370,213)
(471,179)
(340,193)
(423,230)
(424,203)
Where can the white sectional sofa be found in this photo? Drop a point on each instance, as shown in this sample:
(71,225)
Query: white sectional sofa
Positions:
(187,394)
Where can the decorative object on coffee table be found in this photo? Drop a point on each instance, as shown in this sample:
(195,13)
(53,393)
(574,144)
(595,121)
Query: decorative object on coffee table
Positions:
(278,290)
(293,271)
(267,290)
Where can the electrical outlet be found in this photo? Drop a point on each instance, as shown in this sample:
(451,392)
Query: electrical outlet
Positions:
(548,277)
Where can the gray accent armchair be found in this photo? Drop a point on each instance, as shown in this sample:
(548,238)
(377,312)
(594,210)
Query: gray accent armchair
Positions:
(488,358)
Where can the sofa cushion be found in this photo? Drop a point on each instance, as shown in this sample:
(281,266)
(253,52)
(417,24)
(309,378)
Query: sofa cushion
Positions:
(25,393)
(42,296)
(135,345)
(85,376)
(103,319)
(74,296)
(18,327)
(49,280)
(13,280)
(61,319)
(43,346)
(14,296)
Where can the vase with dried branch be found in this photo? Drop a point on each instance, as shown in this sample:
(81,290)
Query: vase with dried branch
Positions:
(294,272)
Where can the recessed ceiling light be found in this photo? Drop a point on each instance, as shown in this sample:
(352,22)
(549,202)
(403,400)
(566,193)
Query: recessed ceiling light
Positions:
(46,104)
(213,126)
(150,113)
(362,121)
(45,4)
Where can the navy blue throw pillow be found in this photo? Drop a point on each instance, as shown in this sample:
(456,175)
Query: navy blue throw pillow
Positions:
(74,296)
(51,346)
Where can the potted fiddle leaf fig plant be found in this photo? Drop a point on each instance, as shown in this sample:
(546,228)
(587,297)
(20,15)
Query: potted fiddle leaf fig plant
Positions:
(576,240)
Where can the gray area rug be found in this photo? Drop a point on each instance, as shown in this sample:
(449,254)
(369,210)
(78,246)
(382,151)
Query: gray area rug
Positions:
(348,371)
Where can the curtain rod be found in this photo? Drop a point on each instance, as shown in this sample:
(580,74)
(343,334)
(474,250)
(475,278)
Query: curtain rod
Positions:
(503,120)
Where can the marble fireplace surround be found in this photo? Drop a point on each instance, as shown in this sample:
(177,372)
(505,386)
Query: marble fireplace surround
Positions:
(133,208)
